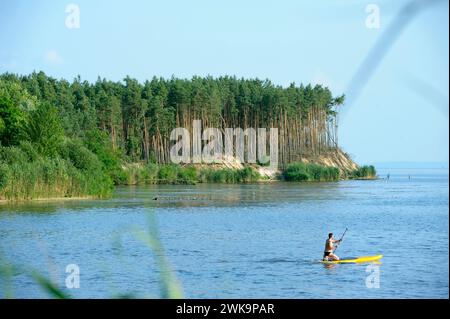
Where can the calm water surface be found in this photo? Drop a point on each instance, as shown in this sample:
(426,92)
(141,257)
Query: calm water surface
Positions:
(235,241)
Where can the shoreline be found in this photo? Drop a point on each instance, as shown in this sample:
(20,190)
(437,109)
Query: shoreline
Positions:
(82,198)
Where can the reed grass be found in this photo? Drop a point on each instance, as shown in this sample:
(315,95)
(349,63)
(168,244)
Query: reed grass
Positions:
(177,174)
(24,175)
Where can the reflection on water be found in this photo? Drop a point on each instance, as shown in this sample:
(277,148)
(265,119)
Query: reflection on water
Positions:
(258,240)
(154,196)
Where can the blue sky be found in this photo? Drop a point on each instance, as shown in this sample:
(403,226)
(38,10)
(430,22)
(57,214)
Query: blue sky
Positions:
(401,114)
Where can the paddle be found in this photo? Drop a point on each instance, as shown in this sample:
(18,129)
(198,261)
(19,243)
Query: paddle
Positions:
(340,240)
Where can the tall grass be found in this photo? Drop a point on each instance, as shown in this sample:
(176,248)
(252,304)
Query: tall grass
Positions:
(152,173)
(26,175)
(135,174)
(305,172)
(176,174)
(230,176)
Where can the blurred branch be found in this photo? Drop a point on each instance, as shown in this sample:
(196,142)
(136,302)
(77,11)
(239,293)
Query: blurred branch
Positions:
(6,275)
(48,286)
(381,48)
(427,91)
(169,285)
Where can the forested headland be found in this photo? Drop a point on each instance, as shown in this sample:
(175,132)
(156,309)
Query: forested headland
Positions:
(73,139)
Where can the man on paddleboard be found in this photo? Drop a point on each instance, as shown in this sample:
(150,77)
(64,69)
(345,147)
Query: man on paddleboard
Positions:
(330,246)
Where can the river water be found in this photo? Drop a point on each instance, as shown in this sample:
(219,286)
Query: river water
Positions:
(240,241)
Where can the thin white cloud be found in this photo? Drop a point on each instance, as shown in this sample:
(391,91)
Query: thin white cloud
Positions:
(53,57)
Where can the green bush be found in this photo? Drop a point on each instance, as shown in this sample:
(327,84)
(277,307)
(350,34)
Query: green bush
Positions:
(119,176)
(296,172)
(302,172)
(168,173)
(229,176)
(152,172)
(80,156)
(29,150)
(366,171)
(24,174)
(99,143)
(248,174)
(187,175)
(12,154)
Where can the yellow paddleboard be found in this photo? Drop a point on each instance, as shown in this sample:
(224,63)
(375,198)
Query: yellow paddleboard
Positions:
(362,259)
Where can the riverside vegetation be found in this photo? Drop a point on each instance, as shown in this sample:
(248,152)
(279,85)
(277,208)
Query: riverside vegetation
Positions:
(79,139)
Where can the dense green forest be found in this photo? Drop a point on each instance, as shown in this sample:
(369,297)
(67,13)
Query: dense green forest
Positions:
(60,138)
